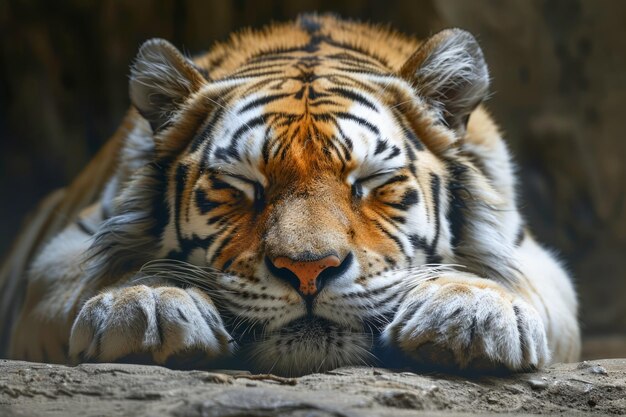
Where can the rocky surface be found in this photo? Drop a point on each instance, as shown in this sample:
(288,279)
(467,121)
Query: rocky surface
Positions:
(32,389)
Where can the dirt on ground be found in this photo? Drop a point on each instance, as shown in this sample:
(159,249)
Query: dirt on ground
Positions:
(33,389)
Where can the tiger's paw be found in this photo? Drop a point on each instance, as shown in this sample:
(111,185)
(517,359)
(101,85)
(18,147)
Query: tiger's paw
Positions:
(468,323)
(158,324)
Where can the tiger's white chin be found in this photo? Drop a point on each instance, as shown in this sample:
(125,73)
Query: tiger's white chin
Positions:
(310,345)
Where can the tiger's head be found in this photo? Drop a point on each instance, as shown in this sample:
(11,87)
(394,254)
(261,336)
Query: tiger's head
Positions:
(307,180)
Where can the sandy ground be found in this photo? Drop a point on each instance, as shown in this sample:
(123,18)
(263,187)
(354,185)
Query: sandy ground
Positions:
(32,389)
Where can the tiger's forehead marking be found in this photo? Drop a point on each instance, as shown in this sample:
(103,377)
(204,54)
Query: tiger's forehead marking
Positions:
(311,121)
(315,100)
(358,140)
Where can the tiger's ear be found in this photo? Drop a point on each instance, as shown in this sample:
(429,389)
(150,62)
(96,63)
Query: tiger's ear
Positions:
(449,70)
(161,79)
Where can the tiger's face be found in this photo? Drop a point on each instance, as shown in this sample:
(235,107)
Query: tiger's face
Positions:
(309,189)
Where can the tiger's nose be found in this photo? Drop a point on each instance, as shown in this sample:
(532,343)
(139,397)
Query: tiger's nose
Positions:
(306,272)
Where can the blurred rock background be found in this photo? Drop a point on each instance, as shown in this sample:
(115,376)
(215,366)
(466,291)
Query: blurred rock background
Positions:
(559,92)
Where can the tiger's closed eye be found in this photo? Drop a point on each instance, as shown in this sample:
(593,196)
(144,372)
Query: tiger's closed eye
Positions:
(363,185)
(357,190)
(259,196)
(252,189)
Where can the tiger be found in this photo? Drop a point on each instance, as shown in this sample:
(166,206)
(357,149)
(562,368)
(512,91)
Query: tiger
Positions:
(314,194)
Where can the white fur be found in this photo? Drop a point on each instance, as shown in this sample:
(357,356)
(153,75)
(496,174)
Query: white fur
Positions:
(473,322)
(161,321)
(551,293)
(454,76)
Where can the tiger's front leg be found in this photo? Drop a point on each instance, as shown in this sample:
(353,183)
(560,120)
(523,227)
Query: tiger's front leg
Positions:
(160,322)
(461,321)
